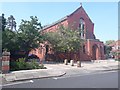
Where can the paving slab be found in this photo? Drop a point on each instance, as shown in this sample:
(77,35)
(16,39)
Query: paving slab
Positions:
(24,75)
(61,69)
(9,77)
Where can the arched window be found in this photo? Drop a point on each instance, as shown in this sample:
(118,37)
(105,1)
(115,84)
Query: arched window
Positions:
(82,27)
(81,23)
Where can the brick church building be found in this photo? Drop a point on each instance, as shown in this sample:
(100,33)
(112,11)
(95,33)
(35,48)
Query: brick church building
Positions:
(93,49)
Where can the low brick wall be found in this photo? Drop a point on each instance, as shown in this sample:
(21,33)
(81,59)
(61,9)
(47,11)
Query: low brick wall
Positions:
(5,62)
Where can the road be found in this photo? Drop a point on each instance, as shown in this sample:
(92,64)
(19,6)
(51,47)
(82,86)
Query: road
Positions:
(96,80)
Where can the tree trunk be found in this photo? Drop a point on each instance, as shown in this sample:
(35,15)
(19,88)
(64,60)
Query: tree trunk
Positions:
(79,58)
(56,56)
(67,56)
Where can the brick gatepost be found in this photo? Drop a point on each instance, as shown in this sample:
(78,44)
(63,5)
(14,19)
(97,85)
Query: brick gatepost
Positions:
(5,62)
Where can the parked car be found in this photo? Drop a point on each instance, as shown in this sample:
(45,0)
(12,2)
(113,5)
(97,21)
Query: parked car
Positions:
(33,57)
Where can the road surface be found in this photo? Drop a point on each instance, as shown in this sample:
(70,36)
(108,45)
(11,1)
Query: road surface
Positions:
(97,80)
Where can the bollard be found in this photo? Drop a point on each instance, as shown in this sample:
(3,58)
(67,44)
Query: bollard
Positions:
(97,61)
(66,62)
(78,64)
(72,62)
(92,61)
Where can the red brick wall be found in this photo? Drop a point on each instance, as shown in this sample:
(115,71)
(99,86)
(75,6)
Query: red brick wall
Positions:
(39,52)
(55,27)
(74,20)
(100,48)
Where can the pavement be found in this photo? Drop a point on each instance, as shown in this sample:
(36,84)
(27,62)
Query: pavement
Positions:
(59,69)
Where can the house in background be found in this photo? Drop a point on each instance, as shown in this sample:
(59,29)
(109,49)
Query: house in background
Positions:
(93,49)
(115,52)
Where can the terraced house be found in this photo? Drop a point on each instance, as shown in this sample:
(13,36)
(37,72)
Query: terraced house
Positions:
(93,49)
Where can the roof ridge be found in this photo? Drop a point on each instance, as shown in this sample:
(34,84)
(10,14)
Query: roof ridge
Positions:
(64,18)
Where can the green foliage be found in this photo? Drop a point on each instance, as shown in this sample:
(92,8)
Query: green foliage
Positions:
(33,65)
(116,53)
(107,49)
(117,59)
(3,22)
(64,40)
(108,42)
(20,64)
(11,23)
(13,66)
(29,35)
(25,38)
(9,39)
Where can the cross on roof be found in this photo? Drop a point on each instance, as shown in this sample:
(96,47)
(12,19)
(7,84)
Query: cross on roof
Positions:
(80,4)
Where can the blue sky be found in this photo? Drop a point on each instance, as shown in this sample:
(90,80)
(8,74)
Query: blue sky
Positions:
(103,14)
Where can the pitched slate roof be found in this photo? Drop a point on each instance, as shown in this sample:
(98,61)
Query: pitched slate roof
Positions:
(60,20)
(64,18)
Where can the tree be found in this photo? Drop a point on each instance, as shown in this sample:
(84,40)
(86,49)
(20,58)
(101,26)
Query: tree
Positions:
(9,40)
(24,39)
(108,42)
(108,46)
(3,22)
(28,35)
(8,36)
(11,23)
(107,49)
(64,40)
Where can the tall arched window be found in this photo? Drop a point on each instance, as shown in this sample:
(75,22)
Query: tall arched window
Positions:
(82,27)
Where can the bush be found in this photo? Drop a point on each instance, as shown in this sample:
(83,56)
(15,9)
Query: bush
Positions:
(117,59)
(20,64)
(13,66)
